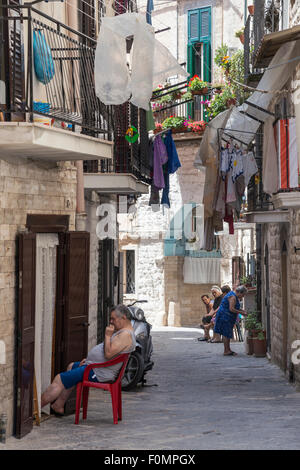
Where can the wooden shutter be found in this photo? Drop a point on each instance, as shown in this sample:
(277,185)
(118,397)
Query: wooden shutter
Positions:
(205,24)
(75,297)
(72,303)
(14,63)
(193,26)
(25,333)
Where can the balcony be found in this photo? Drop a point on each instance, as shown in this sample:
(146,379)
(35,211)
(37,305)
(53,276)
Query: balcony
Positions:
(270,17)
(128,172)
(50,110)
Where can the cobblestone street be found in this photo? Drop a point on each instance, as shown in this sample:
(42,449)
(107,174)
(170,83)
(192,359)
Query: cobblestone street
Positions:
(202,400)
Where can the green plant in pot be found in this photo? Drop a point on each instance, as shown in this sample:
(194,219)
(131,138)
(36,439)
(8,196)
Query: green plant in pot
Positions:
(259,341)
(198,86)
(241,35)
(250,325)
(176,123)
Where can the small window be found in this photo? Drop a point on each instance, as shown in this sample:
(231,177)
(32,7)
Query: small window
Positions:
(130,271)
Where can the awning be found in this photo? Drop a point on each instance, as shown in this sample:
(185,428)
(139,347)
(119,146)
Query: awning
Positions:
(272,42)
(274,78)
(240,127)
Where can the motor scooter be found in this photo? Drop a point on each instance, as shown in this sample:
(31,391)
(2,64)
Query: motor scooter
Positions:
(140,359)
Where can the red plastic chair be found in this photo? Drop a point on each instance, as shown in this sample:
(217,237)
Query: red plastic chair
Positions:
(114,388)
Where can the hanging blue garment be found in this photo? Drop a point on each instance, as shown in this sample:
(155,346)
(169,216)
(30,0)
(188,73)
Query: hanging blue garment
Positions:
(42,57)
(165,195)
(173,159)
(150,7)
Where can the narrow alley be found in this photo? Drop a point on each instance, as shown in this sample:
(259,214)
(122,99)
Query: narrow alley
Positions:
(195,398)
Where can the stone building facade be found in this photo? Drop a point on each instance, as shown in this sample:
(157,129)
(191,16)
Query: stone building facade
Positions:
(26,188)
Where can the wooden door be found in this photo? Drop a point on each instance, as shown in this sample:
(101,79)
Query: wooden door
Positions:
(25,333)
(72,302)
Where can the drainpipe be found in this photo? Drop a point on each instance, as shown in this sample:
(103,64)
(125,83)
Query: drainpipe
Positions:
(245,12)
(80,218)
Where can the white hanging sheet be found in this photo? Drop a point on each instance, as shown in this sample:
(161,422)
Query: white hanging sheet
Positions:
(201,270)
(46,244)
(151,62)
(274,78)
(209,146)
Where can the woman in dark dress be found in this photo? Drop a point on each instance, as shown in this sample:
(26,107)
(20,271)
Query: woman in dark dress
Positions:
(227,315)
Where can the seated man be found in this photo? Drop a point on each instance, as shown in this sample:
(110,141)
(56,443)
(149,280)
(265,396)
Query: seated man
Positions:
(207,320)
(119,339)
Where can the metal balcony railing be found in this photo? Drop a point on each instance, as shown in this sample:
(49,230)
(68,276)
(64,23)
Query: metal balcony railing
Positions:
(65,62)
(130,158)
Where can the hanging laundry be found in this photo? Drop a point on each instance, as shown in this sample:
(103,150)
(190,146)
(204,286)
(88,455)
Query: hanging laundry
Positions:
(250,167)
(230,195)
(117,85)
(287,152)
(270,166)
(173,159)
(160,157)
(237,164)
(225,161)
(165,195)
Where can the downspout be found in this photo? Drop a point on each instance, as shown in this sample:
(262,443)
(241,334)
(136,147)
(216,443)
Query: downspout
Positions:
(80,218)
(245,12)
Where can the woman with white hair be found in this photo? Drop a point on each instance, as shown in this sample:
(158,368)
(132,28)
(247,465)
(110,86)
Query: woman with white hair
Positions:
(227,316)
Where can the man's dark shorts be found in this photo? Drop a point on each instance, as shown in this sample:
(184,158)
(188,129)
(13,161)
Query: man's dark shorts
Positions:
(206,320)
(75,375)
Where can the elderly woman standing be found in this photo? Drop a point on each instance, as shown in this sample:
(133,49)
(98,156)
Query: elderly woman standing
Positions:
(227,315)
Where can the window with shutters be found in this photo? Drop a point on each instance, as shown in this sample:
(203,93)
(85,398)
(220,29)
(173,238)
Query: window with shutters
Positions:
(199,53)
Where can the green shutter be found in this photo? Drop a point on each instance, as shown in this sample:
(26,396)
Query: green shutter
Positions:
(191,71)
(205,24)
(193,26)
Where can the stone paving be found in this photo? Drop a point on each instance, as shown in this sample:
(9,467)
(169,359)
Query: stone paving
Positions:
(196,399)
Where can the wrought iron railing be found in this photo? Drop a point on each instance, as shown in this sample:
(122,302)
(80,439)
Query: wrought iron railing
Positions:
(130,158)
(59,81)
(268,18)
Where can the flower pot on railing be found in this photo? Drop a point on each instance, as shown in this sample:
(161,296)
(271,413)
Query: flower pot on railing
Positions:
(202,91)
(242,38)
(179,130)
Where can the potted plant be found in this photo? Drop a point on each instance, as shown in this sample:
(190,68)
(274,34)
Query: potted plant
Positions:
(251,9)
(240,34)
(259,341)
(196,126)
(217,88)
(187,95)
(198,86)
(229,97)
(158,127)
(176,123)
(250,325)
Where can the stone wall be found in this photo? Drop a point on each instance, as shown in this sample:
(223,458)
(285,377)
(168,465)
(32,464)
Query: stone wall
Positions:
(274,236)
(183,304)
(25,188)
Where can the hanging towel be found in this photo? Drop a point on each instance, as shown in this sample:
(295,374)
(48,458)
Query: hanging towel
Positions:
(173,159)
(237,164)
(160,157)
(201,270)
(250,166)
(286,141)
(165,195)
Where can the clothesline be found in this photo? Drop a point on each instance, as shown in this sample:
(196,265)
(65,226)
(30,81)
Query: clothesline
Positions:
(275,92)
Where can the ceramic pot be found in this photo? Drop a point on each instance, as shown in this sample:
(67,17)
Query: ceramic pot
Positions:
(259,347)
(177,130)
(251,9)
